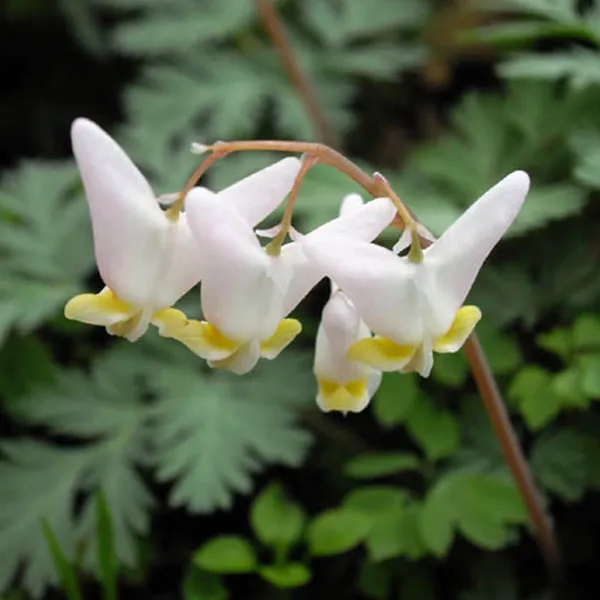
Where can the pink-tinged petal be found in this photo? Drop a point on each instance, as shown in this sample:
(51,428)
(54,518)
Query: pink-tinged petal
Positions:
(255,197)
(239,293)
(458,255)
(128,225)
(380,284)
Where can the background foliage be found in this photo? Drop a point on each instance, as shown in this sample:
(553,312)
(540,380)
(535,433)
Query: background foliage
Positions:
(133,462)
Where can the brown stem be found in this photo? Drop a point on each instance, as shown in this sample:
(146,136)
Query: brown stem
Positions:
(513,454)
(274,247)
(278,35)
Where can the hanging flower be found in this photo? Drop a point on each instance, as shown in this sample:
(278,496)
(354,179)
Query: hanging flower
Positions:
(343,385)
(413,303)
(247,292)
(146,259)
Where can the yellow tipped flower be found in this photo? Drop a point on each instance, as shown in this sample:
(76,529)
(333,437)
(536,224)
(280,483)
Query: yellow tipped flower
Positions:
(146,260)
(247,293)
(415,308)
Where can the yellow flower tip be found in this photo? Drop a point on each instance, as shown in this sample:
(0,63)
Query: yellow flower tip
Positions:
(104,308)
(381,353)
(465,321)
(287,331)
(350,397)
(201,337)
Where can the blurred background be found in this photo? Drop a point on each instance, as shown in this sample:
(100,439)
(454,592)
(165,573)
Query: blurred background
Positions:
(131,470)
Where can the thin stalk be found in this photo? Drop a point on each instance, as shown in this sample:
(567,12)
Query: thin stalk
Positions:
(276,30)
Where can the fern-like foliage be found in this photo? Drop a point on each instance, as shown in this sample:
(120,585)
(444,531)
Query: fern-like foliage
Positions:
(140,408)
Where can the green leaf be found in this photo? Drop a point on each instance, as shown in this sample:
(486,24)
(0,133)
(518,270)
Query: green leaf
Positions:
(213,434)
(562,11)
(579,66)
(538,404)
(67,572)
(548,203)
(563,462)
(482,507)
(451,370)
(559,341)
(337,531)
(105,412)
(436,520)
(106,550)
(502,352)
(368,466)
(586,332)
(396,533)
(286,576)
(201,585)
(45,243)
(434,429)
(226,554)
(589,373)
(374,499)
(276,521)
(341,22)
(395,398)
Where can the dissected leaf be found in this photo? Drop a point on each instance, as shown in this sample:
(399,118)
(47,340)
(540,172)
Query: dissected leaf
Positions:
(212,433)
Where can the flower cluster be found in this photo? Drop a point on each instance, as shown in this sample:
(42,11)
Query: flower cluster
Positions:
(388,311)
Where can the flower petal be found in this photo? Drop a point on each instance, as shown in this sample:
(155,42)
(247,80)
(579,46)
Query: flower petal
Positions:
(350,203)
(258,195)
(104,308)
(286,332)
(351,397)
(128,224)
(464,323)
(242,361)
(458,255)
(421,361)
(200,337)
(381,353)
(363,222)
(240,295)
(382,286)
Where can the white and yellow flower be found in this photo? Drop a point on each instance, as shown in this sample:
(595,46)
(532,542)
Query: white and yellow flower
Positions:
(343,385)
(415,308)
(247,292)
(146,259)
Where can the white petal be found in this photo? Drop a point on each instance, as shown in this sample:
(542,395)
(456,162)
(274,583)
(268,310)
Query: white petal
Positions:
(364,222)
(350,203)
(239,294)
(259,194)
(340,327)
(459,254)
(130,230)
(380,284)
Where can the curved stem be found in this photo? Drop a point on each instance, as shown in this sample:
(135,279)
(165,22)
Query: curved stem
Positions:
(278,35)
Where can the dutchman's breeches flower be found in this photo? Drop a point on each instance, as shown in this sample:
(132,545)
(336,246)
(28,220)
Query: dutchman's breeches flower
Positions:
(146,257)
(247,292)
(343,385)
(413,305)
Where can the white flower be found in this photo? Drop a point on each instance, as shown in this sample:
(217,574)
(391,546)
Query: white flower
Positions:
(415,308)
(344,385)
(247,293)
(146,259)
